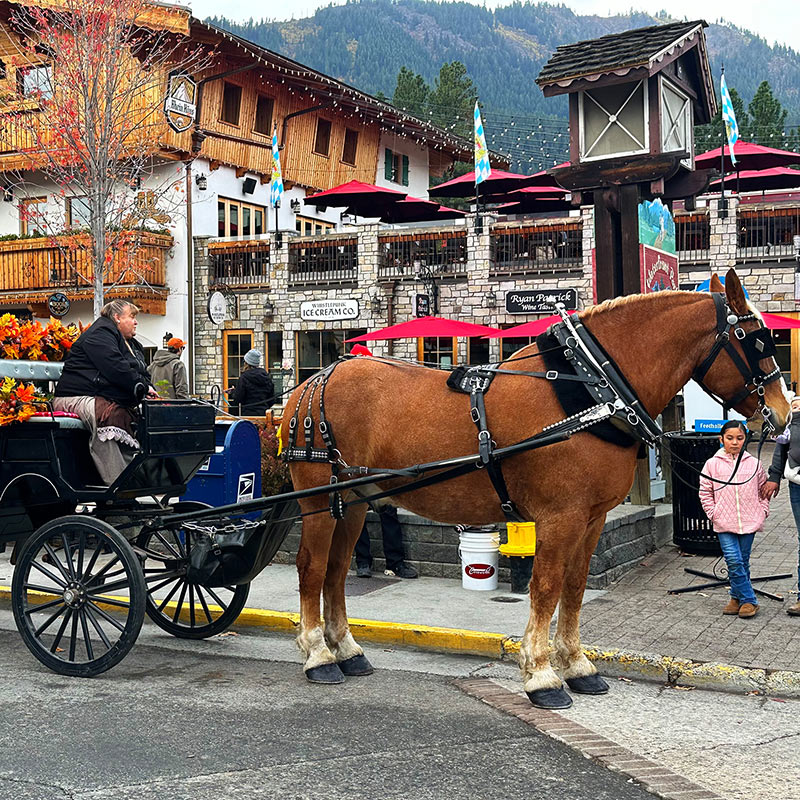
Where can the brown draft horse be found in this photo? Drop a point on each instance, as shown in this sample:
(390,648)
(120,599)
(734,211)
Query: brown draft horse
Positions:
(393,415)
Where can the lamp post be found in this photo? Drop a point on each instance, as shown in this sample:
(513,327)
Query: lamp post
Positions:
(428,278)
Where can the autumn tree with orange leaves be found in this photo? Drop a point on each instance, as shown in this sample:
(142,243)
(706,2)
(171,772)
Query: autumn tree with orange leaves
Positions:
(87,115)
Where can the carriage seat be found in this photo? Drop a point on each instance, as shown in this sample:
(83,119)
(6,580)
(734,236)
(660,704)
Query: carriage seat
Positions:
(64,420)
(30,370)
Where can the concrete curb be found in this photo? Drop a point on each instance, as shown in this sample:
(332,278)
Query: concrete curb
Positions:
(670,670)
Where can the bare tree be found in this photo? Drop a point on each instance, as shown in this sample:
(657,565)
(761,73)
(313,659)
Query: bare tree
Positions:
(87,114)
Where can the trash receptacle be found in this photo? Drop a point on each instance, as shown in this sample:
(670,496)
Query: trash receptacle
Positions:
(233,473)
(691,528)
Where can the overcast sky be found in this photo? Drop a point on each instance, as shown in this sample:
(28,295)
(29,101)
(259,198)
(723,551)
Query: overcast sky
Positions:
(774,20)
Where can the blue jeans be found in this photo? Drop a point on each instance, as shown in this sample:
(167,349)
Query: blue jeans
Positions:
(736,548)
(794,499)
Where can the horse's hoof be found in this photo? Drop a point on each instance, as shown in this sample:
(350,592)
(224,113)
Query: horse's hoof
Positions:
(588,684)
(325,673)
(550,698)
(355,666)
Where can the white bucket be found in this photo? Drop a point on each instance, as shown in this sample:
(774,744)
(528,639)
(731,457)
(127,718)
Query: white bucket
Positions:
(479,553)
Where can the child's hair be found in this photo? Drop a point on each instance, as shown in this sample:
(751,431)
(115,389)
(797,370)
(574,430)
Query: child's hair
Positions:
(731,424)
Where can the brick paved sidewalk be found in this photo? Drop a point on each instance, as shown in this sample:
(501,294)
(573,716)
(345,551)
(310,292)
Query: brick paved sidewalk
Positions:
(638,613)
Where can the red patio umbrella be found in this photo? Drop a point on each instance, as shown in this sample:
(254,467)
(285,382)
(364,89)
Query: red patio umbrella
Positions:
(464,185)
(533,328)
(425,326)
(528,192)
(544,178)
(363,199)
(778,322)
(749,156)
(413,209)
(761,179)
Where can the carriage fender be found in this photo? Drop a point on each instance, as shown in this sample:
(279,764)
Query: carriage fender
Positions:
(29,488)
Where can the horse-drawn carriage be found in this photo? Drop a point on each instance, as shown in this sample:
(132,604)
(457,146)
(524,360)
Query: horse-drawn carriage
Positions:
(92,560)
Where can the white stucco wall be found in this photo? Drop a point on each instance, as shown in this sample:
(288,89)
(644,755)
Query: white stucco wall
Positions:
(418,178)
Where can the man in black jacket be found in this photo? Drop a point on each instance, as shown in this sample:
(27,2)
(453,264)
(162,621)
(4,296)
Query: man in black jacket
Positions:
(104,378)
(254,392)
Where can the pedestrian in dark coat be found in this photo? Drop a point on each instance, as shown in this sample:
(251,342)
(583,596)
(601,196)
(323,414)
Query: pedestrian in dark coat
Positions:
(254,392)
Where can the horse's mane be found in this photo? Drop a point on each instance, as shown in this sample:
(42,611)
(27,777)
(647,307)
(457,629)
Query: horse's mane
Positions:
(634,299)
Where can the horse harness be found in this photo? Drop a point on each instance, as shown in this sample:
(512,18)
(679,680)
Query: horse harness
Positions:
(614,401)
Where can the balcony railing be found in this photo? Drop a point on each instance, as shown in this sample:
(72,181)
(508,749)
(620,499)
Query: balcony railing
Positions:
(693,237)
(554,248)
(402,255)
(240,263)
(767,233)
(323,261)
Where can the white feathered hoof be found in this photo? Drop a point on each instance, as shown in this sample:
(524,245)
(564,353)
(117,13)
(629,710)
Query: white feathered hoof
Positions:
(588,684)
(552,699)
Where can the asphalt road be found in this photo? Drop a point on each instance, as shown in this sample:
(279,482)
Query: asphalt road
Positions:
(234,718)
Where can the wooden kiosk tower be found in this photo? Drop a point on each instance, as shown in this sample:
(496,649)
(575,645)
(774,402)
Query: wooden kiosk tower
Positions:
(634,98)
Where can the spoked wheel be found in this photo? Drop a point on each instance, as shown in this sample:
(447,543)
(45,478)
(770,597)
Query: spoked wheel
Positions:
(176,603)
(78,595)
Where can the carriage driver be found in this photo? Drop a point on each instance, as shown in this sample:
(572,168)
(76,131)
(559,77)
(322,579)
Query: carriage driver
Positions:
(103,380)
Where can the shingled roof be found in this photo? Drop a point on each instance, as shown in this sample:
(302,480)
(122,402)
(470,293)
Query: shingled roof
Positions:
(617,52)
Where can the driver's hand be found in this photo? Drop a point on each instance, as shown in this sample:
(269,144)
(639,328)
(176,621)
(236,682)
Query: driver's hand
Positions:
(152,394)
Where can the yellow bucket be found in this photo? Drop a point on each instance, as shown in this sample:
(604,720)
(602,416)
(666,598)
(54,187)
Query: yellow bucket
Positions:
(521,539)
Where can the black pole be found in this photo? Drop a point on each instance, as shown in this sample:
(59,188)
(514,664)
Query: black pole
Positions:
(278,237)
(478,221)
(723,206)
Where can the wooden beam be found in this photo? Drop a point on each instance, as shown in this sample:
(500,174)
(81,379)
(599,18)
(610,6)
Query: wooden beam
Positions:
(241,172)
(629,239)
(618,171)
(213,165)
(605,248)
(264,179)
(687,183)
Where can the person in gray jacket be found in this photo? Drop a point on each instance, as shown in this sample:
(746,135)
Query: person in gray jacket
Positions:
(786,464)
(168,372)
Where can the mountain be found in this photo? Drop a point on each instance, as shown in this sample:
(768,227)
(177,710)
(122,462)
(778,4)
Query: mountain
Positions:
(365,42)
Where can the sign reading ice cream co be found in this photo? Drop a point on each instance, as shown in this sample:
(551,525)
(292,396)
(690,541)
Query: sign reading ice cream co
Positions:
(321,310)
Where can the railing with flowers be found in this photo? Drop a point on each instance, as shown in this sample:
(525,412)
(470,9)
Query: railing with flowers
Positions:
(323,260)
(402,255)
(535,249)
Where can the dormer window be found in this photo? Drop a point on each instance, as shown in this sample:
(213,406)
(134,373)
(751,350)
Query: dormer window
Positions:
(613,121)
(676,120)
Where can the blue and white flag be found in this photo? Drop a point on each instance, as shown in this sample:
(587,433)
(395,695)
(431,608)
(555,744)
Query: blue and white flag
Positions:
(729,118)
(482,167)
(276,186)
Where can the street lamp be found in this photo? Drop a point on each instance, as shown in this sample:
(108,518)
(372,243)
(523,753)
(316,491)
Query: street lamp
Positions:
(428,278)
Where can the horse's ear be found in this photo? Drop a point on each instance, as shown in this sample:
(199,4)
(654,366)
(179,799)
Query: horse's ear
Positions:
(733,289)
(716,284)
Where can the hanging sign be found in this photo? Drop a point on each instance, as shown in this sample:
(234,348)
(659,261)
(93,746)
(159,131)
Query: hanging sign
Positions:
(58,305)
(217,307)
(321,310)
(422,305)
(180,104)
(538,301)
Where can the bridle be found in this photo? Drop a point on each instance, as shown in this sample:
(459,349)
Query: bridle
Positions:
(756,345)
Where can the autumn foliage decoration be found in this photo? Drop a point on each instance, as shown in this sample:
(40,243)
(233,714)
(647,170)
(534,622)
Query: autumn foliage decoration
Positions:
(18,401)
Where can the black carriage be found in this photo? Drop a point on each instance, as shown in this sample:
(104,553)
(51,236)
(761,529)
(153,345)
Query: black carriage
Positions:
(91,560)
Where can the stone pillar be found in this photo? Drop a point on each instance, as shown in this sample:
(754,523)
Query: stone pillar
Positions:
(207,345)
(723,236)
(479,259)
(279,294)
(587,292)
(368,261)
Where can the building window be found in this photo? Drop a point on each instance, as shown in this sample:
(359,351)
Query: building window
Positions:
(77,212)
(35,82)
(783,355)
(350,148)
(31,216)
(239,219)
(273,362)
(231,103)
(2,70)
(510,345)
(322,141)
(437,351)
(263,120)
(395,167)
(317,349)
(477,350)
(307,226)
(235,344)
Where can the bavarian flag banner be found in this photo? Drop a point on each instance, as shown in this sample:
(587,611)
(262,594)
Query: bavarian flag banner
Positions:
(482,168)
(729,118)
(276,186)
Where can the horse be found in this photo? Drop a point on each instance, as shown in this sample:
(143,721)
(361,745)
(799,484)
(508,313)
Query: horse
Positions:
(389,414)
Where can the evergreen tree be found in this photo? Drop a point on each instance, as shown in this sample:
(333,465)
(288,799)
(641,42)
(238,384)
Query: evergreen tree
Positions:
(411,92)
(452,100)
(768,117)
(707,137)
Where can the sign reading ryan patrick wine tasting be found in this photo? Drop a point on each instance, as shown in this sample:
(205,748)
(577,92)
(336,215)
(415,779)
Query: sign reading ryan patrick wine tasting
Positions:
(537,301)
(329,309)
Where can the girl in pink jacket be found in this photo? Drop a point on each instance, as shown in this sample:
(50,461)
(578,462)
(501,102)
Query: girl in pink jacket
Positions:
(737,511)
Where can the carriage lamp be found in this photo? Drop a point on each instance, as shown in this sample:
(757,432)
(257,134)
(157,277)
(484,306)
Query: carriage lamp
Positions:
(491,299)
(268,308)
(375,304)
(295,206)
(201,181)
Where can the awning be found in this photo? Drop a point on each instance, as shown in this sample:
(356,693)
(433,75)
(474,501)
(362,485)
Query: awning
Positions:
(749,156)
(424,327)
(533,328)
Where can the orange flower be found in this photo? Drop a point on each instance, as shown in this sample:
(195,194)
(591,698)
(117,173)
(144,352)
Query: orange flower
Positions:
(25,394)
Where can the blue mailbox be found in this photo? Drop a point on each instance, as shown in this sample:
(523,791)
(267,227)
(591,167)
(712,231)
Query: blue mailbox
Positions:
(233,473)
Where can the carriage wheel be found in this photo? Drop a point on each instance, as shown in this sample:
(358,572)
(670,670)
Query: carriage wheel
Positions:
(178,605)
(78,595)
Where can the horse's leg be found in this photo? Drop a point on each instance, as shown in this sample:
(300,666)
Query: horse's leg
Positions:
(312,560)
(579,673)
(542,684)
(349,655)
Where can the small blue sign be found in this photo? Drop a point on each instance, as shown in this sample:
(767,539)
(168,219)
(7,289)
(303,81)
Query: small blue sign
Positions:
(709,425)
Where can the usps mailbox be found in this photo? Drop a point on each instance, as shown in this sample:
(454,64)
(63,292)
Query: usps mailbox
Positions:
(233,473)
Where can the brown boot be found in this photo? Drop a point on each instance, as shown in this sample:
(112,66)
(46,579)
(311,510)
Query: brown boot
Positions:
(794,611)
(747,610)
(732,609)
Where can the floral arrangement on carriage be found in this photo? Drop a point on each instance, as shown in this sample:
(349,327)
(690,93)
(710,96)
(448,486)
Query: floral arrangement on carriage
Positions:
(29,340)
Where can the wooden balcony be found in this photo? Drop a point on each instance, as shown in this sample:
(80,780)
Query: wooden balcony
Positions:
(32,269)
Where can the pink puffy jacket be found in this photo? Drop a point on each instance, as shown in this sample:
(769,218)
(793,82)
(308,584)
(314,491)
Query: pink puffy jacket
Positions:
(734,509)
